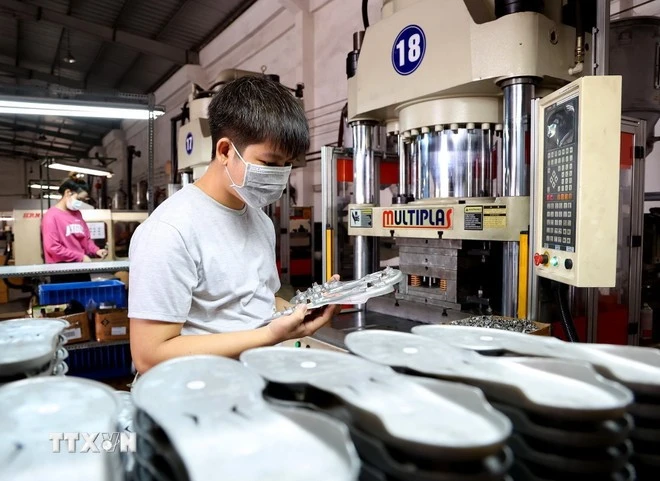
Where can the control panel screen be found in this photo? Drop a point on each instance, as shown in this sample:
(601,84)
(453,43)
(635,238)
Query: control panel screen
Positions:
(560,154)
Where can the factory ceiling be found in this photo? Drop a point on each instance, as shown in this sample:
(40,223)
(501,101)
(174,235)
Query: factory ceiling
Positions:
(96,45)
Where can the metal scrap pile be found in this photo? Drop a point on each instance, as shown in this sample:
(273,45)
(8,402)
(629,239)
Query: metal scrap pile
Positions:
(498,322)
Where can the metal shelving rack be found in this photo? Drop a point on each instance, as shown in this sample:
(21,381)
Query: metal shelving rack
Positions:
(46,270)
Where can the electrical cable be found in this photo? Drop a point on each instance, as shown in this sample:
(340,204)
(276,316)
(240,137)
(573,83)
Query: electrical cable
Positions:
(565,314)
(365,13)
(340,136)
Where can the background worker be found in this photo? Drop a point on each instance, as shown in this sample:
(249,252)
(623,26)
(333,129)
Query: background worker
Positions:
(65,235)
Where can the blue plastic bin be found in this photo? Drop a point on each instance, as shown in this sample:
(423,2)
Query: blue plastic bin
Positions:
(113,292)
(100,361)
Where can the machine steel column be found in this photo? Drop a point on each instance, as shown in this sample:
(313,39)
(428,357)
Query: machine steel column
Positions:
(601,39)
(403,196)
(518,94)
(599,66)
(365,191)
(403,168)
(532,278)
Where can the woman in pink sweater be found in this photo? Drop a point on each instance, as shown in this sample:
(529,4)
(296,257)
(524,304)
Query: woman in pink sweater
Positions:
(64,233)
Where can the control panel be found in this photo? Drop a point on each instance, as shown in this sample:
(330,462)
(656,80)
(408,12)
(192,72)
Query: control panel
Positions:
(577,183)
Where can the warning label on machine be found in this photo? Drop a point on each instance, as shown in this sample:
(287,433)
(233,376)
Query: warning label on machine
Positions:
(473,217)
(361,217)
(494,216)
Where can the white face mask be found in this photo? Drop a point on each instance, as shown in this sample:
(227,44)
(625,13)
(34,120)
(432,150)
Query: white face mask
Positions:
(262,185)
(73,204)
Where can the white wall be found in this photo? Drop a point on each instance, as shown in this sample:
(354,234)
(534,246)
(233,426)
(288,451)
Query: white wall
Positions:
(308,47)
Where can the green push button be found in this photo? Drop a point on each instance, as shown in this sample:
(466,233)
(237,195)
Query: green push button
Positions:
(297,344)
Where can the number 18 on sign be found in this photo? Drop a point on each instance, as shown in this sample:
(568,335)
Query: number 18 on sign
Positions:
(408,50)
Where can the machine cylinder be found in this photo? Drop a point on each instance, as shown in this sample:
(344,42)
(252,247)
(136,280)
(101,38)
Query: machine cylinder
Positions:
(365,190)
(403,148)
(518,94)
(507,7)
(403,166)
(186,178)
(452,163)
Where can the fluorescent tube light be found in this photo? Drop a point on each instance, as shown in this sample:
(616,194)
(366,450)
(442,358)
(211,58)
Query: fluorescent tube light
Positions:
(82,168)
(52,196)
(73,108)
(6,219)
(44,187)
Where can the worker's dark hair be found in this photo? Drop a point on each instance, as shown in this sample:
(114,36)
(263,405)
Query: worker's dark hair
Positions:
(75,184)
(253,110)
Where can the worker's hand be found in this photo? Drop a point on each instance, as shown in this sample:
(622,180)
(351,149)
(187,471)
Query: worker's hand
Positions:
(302,322)
(281,304)
(86,259)
(102,253)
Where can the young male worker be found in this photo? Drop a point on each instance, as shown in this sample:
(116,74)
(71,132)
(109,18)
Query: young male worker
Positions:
(203,275)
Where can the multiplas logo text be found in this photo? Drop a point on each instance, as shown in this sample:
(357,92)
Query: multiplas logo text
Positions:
(93,442)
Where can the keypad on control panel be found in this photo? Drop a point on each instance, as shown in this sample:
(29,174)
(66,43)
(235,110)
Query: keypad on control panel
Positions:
(560,199)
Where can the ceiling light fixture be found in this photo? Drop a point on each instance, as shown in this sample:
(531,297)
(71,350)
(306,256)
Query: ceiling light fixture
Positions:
(69,58)
(6,219)
(43,187)
(81,168)
(52,196)
(75,108)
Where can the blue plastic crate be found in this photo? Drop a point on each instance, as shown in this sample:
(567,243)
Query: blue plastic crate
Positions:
(100,361)
(113,292)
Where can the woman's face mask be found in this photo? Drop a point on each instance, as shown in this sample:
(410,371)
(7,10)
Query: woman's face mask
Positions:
(262,185)
(73,203)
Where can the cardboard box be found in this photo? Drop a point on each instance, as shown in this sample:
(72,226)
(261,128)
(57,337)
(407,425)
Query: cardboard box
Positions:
(4,293)
(543,329)
(79,329)
(55,310)
(111,325)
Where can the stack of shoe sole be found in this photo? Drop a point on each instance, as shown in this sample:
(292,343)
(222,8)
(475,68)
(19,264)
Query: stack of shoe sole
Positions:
(404,428)
(32,348)
(636,368)
(125,426)
(646,408)
(52,429)
(204,417)
(568,421)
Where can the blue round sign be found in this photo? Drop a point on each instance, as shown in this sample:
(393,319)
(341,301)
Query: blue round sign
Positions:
(408,50)
(189,143)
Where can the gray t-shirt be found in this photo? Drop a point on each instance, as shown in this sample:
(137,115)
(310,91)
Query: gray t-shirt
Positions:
(197,262)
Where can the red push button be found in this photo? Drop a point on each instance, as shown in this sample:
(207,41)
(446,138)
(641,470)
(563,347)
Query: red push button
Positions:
(540,259)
